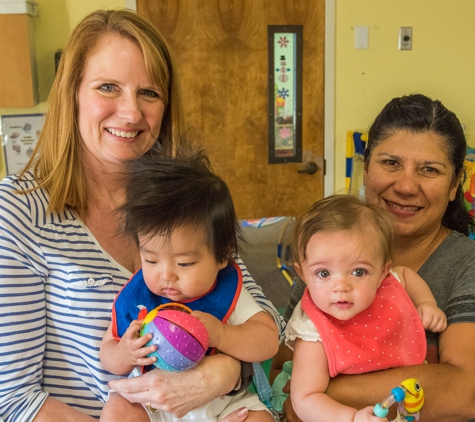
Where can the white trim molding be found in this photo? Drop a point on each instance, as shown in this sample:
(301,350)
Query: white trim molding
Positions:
(131,4)
(329,101)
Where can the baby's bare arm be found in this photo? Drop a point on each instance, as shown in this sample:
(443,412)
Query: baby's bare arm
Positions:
(255,340)
(433,318)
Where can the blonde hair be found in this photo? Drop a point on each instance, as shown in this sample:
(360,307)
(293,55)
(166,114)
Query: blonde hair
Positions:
(57,160)
(343,212)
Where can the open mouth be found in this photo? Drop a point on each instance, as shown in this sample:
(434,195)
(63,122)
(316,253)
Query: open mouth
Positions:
(122,134)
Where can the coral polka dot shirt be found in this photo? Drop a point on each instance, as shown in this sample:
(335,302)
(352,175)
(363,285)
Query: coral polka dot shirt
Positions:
(387,334)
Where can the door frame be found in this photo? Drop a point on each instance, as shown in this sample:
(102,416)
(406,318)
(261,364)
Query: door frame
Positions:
(329,95)
(329,100)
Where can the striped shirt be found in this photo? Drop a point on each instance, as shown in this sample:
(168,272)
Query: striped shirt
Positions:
(57,285)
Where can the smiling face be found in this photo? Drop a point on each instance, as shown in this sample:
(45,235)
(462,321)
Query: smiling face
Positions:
(410,175)
(120,109)
(342,270)
(180,267)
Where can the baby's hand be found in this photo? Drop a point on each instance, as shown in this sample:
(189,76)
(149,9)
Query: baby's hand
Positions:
(214,326)
(131,346)
(367,415)
(432,317)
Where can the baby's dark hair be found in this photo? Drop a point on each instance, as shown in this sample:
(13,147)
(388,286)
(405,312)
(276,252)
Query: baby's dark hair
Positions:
(164,194)
(341,213)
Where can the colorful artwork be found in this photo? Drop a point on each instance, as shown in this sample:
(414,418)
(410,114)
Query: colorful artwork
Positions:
(261,222)
(20,133)
(285,59)
(284,78)
(469,184)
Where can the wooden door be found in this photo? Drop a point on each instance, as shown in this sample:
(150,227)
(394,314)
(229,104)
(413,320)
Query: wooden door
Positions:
(220,48)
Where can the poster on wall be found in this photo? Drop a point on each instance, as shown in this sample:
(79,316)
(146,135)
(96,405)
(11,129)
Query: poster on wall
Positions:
(285,93)
(20,133)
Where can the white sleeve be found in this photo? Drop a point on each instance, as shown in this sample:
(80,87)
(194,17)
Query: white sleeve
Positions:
(300,326)
(256,292)
(395,274)
(246,307)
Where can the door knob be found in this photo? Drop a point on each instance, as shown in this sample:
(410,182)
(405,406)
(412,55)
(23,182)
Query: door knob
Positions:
(310,168)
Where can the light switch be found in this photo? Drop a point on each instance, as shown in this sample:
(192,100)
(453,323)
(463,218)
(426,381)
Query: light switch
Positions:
(361,37)
(405,38)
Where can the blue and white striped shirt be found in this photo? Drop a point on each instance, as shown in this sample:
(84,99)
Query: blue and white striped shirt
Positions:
(57,286)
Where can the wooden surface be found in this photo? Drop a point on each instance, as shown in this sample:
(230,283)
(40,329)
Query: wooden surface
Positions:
(16,77)
(220,47)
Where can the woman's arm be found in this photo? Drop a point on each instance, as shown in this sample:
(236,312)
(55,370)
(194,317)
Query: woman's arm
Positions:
(449,386)
(180,392)
(54,410)
(256,292)
(22,310)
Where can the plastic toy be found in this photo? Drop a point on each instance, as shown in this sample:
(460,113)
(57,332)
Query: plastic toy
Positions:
(410,398)
(180,338)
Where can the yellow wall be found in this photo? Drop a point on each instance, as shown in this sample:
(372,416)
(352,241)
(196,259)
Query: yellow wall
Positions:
(52,27)
(440,64)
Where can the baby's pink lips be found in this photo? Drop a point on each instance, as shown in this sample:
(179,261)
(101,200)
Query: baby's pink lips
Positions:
(343,304)
(168,291)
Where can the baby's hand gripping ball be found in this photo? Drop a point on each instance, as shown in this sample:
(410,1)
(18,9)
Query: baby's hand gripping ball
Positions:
(180,338)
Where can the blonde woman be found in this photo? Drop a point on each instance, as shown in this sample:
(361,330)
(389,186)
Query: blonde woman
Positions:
(63,254)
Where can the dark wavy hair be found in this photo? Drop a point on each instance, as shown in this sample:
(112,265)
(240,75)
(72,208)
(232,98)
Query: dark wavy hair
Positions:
(166,193)
(417,113)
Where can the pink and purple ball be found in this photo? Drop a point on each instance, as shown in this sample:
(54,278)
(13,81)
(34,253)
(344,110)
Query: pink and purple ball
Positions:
(180,338)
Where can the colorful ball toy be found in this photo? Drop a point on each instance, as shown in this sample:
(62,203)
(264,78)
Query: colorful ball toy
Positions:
(180,338)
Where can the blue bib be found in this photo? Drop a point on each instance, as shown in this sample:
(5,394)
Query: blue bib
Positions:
(135,296)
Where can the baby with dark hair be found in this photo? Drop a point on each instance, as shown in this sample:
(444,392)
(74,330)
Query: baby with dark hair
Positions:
(183,219)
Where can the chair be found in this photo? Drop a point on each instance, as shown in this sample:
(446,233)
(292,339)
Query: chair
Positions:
(284,251)
(355,147)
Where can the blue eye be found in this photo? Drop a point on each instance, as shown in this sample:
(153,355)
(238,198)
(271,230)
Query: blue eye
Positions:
(323,273)
(106,87)
(150,93)
(359,272)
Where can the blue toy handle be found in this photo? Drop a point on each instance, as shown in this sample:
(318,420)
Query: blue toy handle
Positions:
(381,409)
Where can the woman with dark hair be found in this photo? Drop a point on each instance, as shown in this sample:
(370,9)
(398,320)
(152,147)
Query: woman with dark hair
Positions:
(414,169)
(418,114)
